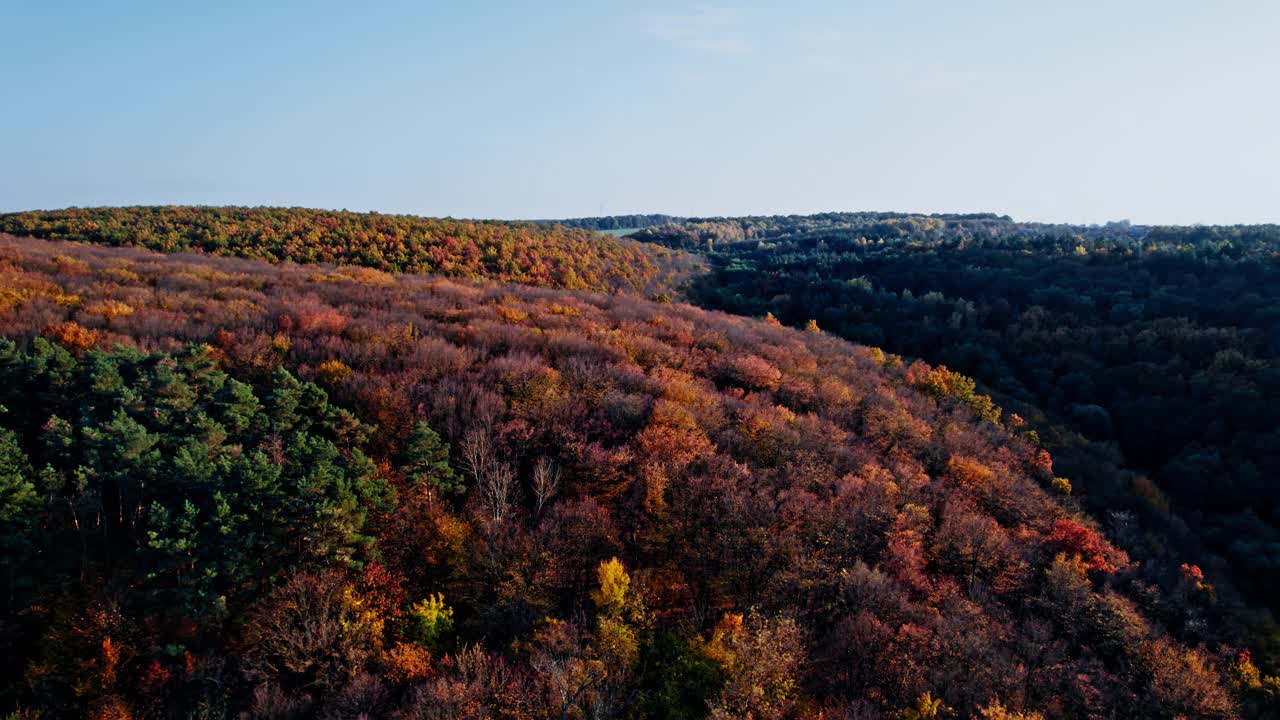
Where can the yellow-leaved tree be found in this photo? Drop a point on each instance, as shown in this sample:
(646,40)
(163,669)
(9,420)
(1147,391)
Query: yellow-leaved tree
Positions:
(926,709)
(588,672)
(611,596)
(431,621)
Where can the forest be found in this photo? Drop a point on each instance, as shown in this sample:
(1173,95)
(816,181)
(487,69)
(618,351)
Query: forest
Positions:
(1153,351)
(247,480)
(616,222)
(528,253)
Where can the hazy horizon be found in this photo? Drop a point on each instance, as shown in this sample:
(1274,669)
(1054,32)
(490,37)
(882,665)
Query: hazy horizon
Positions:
(622,214)
(1160,113)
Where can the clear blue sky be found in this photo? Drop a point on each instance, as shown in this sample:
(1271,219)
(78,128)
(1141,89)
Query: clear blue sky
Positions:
(1158,111)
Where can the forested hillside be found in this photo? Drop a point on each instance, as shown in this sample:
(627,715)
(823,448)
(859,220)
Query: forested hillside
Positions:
(1161,342)
(548,256)
(324,491)
(616,222)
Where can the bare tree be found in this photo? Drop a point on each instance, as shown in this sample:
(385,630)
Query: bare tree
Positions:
(499,490)
(495,480)
(546,483)
(477,453)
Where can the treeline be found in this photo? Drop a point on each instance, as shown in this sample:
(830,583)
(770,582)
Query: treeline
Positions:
(616,222)
(704,233)
(230,487)
(1163,342)
(533,254)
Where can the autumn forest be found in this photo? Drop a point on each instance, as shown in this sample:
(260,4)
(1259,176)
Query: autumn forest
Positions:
(286,463)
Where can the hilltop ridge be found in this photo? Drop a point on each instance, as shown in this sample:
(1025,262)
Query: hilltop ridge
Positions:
(542,255)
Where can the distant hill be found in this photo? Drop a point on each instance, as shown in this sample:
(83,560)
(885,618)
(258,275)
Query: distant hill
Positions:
(534,254)
(694,233)
(614,223)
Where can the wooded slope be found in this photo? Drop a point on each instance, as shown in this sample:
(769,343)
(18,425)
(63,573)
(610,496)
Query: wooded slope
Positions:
(800,525)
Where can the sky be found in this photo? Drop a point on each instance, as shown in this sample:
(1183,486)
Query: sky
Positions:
(1161,111)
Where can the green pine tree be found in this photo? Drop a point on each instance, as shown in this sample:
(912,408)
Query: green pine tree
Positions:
(425,461)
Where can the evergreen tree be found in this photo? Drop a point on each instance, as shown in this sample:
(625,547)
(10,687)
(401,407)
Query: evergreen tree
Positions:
(425,461)
(18,502)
